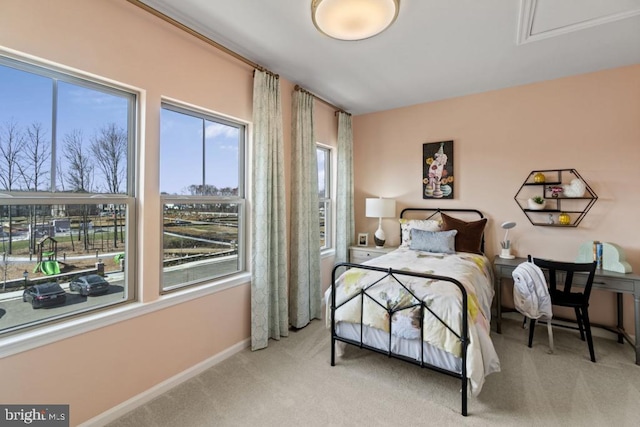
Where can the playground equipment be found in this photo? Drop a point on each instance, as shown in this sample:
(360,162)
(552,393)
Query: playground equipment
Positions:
(47,247)
(50,267)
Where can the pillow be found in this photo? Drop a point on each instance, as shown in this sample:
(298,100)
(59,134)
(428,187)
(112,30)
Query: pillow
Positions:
(469,237)
(434,241)
(406,225)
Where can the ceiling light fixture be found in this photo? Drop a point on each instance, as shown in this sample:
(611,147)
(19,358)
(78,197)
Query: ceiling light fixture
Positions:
(353,19)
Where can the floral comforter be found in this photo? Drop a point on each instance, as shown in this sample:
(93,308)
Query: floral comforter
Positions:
(441,297)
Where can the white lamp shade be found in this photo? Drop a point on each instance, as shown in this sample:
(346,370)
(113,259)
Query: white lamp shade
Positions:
(353,19)
(380,208)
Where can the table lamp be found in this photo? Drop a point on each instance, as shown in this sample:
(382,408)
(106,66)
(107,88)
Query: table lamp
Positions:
(506,243)
(380,208)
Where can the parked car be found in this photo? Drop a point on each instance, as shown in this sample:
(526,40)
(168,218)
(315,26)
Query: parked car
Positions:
(90,284)
(44,294)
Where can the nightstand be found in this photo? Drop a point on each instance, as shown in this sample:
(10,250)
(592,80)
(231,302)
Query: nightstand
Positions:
(360,254)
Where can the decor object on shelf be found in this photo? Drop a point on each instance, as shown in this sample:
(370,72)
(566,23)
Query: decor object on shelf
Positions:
(564,218)
(536,203)
(555,190)
(363,239)
(380,208)
(613,257)
(575,189)
(437,170)
(539,178)
(506,243)
(353,19)
(563,191)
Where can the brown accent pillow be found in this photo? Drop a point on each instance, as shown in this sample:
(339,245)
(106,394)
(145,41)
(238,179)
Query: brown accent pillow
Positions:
(469,236)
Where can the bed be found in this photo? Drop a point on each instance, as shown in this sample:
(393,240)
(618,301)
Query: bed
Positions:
(437,285)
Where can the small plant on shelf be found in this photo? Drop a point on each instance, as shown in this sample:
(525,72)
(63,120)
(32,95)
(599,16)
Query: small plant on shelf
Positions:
(536,203)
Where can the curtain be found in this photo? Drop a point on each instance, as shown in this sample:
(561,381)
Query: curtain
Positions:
(269,310)
(345,221)
(305,292)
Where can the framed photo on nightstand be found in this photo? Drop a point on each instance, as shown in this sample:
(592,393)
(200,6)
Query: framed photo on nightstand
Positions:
(363,239)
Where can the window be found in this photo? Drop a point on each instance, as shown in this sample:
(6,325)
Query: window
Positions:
(67,184)
(202,189)
(324,195)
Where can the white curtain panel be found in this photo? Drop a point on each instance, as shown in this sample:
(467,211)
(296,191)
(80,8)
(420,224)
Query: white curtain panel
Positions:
(345,218)
(305,291)
(269,309)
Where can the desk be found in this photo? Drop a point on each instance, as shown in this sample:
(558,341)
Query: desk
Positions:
(620,283)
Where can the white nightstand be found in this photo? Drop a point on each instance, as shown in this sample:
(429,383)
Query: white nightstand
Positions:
(360,254)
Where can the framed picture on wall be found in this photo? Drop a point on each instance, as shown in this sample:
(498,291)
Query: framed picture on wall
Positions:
(437,170)
(363,239)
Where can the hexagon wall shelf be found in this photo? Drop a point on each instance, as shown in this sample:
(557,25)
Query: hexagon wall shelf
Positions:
(567,197)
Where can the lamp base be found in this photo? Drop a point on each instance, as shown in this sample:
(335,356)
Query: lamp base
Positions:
(379,238)
(506,254)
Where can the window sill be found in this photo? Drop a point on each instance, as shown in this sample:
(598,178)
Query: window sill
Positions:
(326,253)
(24,341)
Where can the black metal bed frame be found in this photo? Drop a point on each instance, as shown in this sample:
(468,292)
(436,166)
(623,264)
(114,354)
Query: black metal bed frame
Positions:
(462,336)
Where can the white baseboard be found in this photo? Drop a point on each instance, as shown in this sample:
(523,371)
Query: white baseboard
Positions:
(155,391)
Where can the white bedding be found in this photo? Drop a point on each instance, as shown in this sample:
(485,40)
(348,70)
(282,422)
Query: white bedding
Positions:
(443,298)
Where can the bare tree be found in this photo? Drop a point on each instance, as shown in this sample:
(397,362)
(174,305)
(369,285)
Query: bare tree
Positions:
(109,149)
(79,169)
(36,157)
(32,168)
(11,145)
(79,174)
(60,176)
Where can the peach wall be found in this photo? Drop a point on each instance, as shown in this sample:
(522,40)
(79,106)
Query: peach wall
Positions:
(118,41)
(588,122)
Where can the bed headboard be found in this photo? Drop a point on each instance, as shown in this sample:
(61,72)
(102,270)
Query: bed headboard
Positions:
(434,213)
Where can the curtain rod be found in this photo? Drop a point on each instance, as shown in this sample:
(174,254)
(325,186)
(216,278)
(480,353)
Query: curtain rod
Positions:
(264,70)
(217,45)
(301,89)
(194,33)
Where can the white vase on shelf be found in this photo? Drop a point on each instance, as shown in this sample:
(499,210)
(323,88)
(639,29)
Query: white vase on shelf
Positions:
(535,206)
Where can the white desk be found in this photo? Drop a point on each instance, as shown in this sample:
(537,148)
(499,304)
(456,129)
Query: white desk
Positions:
(620,283)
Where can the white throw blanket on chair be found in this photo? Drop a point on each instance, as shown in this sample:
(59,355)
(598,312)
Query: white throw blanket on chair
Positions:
(531,295)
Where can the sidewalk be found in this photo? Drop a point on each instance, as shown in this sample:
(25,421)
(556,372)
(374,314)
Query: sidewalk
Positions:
(23,259)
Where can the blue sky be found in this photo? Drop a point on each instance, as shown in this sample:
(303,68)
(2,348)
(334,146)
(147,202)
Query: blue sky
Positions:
(26,98)
(183,157)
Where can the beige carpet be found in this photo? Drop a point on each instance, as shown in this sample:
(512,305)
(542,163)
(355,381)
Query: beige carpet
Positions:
(292,383)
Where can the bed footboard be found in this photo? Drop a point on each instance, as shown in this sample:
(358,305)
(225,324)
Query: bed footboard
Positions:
(397,276)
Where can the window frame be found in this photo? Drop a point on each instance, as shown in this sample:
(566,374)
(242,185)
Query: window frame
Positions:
(58,73)
(327,200)
(240,200)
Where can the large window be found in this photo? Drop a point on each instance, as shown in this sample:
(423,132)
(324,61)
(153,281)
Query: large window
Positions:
(202,186)
(67,193)
(324,195)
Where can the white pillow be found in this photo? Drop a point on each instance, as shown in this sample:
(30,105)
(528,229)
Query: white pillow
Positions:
(420,224)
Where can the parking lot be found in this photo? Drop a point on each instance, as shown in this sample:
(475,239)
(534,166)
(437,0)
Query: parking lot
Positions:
(14,312)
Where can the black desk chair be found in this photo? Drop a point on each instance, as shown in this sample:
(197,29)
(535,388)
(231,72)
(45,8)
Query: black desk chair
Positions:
(564,297)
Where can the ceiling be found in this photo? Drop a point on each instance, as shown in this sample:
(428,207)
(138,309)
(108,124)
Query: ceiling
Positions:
(436,49)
